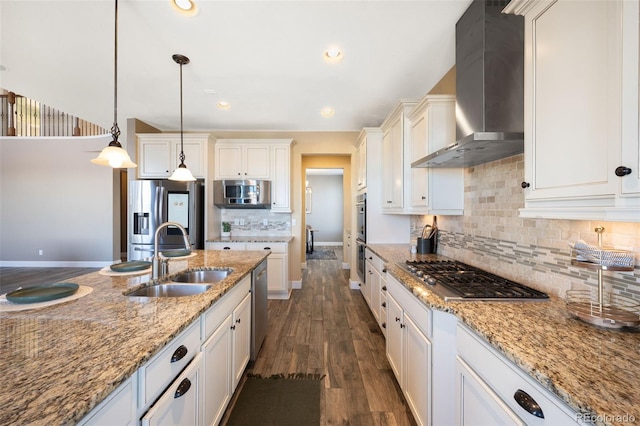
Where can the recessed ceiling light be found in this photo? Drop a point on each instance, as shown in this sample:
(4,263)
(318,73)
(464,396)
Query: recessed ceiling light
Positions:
(210,91)
(333,54)
(223,105)
(327,112)
(185,7)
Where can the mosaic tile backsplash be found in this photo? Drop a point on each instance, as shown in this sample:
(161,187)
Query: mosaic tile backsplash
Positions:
(535,252)
(257,223)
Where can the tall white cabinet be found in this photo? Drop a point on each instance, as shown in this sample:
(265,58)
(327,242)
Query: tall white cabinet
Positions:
(581,109)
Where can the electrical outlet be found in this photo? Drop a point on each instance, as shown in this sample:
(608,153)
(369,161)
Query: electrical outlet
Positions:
(265,222)
(293,222)
(236,222)
(40,252)
(241,222)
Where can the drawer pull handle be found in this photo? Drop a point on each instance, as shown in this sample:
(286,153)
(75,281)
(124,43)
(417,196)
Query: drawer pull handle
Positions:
(623,171)
(227,248)
(267,248)
(238,321)
(183,388)
(529,404)
(384,270)
(179,353)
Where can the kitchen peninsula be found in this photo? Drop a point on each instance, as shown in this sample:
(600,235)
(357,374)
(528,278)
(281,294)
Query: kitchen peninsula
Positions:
(59,362)
(593,371)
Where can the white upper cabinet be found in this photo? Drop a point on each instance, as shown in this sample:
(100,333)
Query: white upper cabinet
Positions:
(395,136)
(433,190)
(362,162)
(159,154)
(581,109)
(281,177)
(242,159)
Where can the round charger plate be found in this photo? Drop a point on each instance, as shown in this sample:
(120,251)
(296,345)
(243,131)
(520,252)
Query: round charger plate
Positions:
(42,293)
(176,253)
(134,265)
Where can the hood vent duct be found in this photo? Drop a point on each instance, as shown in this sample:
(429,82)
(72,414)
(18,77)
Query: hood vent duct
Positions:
(489,88)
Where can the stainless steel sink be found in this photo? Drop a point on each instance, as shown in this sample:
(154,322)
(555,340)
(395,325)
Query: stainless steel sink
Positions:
(170,290)
(204,276)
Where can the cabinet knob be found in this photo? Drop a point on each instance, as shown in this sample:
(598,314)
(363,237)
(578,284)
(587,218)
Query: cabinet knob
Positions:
(238,321)
(384,270)
(525,185)
(397,319)
(233,327)
(384,287)
(180,353)
(384,304)
(384,325)
(423,197)
(183,387)
(529,404)
(623,171)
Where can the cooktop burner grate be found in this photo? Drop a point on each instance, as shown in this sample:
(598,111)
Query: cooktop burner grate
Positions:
(465,282)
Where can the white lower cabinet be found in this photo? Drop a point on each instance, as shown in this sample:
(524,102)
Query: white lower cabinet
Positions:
(490,390)
(217,372)
(118,409)
(181,403)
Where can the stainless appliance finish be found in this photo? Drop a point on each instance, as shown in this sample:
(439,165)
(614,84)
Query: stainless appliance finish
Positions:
(456,281)
(489,88)
(153,202)
(259,315)
(361,228)
(242,194)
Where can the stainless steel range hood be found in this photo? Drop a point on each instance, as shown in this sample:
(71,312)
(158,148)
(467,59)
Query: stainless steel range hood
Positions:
(489,88)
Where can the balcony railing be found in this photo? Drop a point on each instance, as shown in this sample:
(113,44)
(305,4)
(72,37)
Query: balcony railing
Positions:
(20,116)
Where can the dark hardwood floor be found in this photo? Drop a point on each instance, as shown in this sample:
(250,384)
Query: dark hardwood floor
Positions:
(326,328)
(12,278)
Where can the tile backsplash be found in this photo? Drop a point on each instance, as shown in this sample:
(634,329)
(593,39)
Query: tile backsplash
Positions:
(535,252)
(257,222)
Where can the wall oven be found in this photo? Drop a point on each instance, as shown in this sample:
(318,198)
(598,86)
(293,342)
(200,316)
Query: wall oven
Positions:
(361,229)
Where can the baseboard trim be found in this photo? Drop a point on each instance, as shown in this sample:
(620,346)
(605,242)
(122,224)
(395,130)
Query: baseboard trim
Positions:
(345,265)
(296,284)
(354,285)
(54,264)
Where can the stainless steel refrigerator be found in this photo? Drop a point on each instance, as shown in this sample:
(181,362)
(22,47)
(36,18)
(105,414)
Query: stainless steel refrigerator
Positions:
(153,202)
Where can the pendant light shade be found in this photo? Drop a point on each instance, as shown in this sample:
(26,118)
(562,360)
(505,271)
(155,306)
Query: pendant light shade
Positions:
(114,155)
(182,173)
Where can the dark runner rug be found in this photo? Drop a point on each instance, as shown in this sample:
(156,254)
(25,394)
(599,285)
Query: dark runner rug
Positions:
(278,400)
(322,254)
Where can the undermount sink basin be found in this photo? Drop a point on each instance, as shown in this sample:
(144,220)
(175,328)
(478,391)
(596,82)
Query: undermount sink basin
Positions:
(170,290)
(206,276)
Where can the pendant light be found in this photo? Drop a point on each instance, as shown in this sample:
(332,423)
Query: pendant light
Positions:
(181,173)
(114,155)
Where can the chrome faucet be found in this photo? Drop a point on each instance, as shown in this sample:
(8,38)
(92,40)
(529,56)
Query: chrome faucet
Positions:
(159,266)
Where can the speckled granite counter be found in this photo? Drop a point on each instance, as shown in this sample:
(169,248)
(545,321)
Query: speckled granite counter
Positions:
(59,362)
(594,370)
(251,239)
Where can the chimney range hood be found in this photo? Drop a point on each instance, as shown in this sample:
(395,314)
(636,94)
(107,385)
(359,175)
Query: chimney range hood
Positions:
(489,88)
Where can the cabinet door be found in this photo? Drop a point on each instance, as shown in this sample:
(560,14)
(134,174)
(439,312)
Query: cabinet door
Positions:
(418,150)
(631,99)
(194,158)
(281,179)
(362,165)
(217,388)
(118,409)
(392,166)
(373,284)
(572,107)
(154,158)
(228,162)
(180,404)
(395,339)
(478,404)
(241,338)
(256,162)
(276,281)
(417,364)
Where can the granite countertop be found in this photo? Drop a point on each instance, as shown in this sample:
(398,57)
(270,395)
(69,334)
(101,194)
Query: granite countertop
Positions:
(59,362)
(594,370)
(251,239)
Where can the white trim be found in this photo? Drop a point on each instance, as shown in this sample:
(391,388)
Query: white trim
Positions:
(296,284)
(354,285)
(345,265)
(55,264)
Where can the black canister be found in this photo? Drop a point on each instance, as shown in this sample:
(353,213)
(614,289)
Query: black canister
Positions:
(427,245)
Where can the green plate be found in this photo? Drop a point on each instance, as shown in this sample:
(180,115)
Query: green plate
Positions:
(42,293)
(176,253)
(134,265)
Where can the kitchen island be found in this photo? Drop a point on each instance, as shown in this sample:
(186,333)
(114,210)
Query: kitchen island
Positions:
(594,371)
(60,362)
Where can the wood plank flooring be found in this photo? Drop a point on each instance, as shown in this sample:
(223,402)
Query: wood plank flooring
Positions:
(326,328)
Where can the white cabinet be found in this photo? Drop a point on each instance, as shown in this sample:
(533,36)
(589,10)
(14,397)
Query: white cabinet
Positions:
(277,264)
(159,154)
(118,409)
(181,403)
(432,190)
(242,159)
(281,177)
(374,291)
(581,109)
(491,390)
(395,134)
(217,373)
(240,339)
(361,155)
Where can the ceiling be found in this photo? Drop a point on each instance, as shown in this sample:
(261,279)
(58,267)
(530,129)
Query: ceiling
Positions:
(263,57)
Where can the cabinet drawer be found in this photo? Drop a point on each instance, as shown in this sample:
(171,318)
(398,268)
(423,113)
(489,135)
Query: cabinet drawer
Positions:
(375,261)
(166,365)
(225,246)
(506,379)
(418,312)
(274,247)
(216,314)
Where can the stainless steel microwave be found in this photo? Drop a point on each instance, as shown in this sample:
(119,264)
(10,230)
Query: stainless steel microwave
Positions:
(242,194)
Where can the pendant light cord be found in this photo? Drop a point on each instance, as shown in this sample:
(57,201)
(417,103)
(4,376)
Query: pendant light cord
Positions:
(181,132)
(115,130)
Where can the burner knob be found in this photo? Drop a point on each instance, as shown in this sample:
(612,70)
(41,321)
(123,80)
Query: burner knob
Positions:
(419,273)
(431,281)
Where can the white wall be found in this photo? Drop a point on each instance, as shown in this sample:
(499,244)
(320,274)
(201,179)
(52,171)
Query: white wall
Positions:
(52,198)
(327,208)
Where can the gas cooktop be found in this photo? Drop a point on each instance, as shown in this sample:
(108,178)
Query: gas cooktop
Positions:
(456,281)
